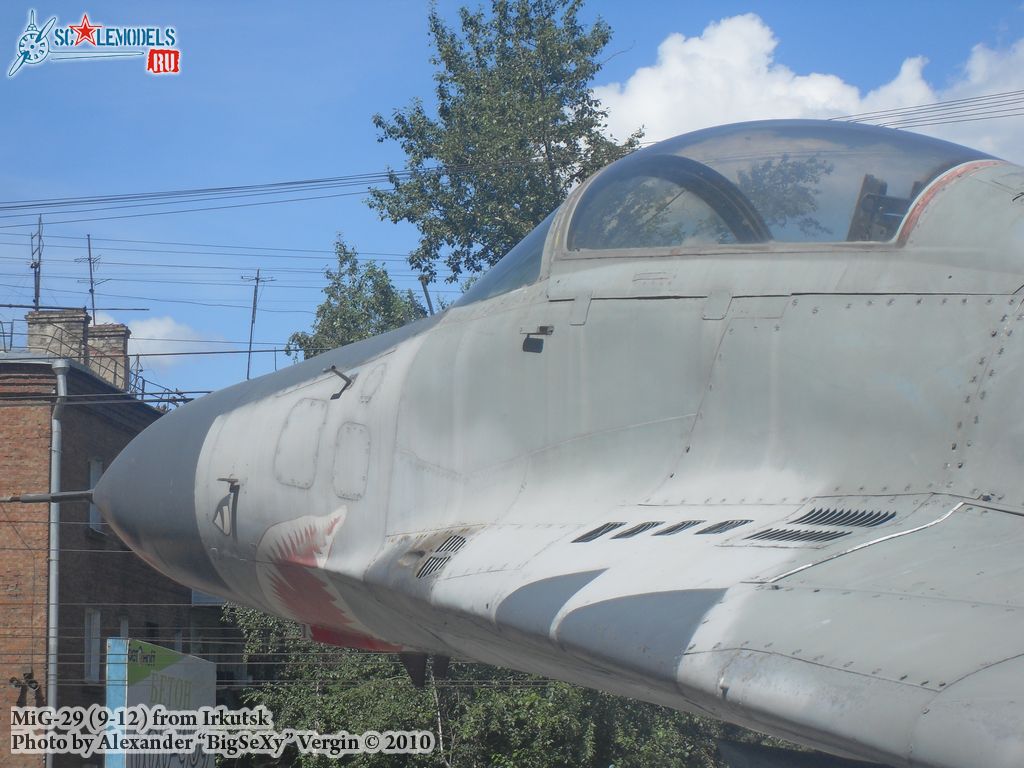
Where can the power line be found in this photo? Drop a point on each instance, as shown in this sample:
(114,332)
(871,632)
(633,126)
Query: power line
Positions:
(177,301)
(924,123)
(158,300)
(167,400)
(388,176)
(222,245)
(229,191)
(196,340)
(180,264)
(70,208)
(378,256)
(935,106)
(91,398)
(191,210)
(183,353)
(209,245)
(972,109)
(160,279)
(67,205)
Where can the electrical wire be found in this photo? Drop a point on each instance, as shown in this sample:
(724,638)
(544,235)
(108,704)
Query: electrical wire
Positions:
(985,100)
(313,285)
(970,109)
(204,245)
(165,400)
(177,301)
(183,353)
(387,176)
(247,251)
(72,205)
(188,210)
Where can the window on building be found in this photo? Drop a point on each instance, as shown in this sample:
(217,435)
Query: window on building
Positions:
(95,470)
(92,645)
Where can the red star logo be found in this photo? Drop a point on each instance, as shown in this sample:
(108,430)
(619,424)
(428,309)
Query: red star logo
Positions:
(86,32)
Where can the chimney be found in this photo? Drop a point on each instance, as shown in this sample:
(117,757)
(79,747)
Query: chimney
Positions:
(108,353)
(59,333)
(67,333)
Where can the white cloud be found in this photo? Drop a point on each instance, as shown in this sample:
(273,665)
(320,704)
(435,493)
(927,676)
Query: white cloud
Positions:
(989,71)
(729,74)
(156,335)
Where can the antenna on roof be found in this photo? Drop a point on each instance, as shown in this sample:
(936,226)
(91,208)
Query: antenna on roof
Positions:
(36,243)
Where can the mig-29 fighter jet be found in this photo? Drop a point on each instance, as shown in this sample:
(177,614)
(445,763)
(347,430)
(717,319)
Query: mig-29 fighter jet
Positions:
(738,429)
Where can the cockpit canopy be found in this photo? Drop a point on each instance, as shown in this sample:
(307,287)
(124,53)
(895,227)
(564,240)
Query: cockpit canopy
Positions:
(796,181)
(789,181)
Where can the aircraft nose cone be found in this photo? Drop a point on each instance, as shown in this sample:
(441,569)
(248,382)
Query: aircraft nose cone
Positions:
(147,495)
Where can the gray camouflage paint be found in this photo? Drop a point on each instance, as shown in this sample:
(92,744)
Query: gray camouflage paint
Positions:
(717,383)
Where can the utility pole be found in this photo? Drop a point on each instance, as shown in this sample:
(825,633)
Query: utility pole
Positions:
(92,281)
(426,293)
(36,243)
(252,323)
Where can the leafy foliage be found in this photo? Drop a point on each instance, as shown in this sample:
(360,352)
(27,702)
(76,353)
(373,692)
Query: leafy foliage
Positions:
(785,191)
(485,716)
(360,302)
(517,127)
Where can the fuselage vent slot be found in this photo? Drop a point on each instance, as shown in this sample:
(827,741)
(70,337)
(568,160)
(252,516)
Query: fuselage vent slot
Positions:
(678,527)
(722,527)
(843,517)
(786,534)
(597,533)
(452,544)
(636,530)
(432,565)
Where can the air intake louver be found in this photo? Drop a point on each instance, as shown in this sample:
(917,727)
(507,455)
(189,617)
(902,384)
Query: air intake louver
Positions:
(637,529)
(433,565)
(783,534)
(440,556)
(453,544)
(597,533)
(853,517)
(722,527)
(677,527)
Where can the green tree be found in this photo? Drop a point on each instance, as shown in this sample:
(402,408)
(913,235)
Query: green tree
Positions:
(360,302)
(484,717)
(317,687)
(785,191)
(516,127)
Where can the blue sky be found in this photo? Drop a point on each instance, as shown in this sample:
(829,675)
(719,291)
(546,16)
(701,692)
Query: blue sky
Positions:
(275,92)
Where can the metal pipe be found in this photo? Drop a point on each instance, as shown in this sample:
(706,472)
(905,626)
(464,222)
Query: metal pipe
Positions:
(60,368)
(43,498)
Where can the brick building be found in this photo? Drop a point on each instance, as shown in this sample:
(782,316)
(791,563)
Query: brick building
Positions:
(104,588)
